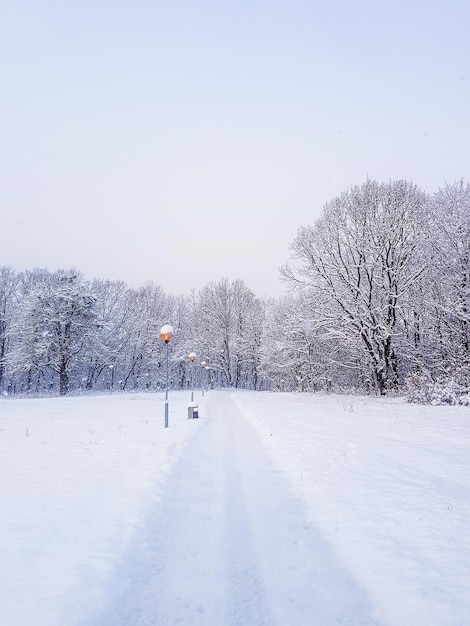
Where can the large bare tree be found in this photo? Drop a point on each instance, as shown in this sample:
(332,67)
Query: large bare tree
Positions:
(359,261)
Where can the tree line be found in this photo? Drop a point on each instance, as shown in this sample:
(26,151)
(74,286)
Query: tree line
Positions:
(60,332)
(377,300)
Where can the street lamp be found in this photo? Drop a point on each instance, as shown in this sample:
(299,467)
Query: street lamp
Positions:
(111,369)
(208,376)
(166,333)
(203,365)
(192,357)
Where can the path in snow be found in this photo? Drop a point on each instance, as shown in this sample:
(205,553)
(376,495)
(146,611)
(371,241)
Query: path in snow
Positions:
(230,544)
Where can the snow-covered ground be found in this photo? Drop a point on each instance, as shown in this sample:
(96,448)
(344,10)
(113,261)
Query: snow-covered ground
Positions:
(276,509)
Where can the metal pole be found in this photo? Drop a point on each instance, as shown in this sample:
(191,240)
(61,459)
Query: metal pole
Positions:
(166,389)
(203,366)
(192,381)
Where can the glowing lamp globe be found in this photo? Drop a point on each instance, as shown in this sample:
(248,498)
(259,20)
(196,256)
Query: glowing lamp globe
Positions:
(166,333)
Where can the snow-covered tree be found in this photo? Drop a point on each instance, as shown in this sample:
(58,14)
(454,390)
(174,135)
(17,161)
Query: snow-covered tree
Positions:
(359,261)
(8,292)
(248,317)
(215,329)
(299,352)
(53,329)
(228,324)
(146,312)
(445,303)
(104,359)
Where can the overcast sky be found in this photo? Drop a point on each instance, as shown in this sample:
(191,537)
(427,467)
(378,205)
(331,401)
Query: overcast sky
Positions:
(184,141)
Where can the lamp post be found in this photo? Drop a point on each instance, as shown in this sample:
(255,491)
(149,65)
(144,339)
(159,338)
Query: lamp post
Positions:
(166,333)
(192,357)
(111,369)
(203,365)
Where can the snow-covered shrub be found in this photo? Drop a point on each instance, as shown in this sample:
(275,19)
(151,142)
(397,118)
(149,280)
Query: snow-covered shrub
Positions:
(419,387)
(422,389)
(465,399)
(445,392)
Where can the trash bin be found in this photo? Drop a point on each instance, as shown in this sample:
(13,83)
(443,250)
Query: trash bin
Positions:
(192,411)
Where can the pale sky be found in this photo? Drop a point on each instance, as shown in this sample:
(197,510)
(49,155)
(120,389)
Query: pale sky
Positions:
(186,141)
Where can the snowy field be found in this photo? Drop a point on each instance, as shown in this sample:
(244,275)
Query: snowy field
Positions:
(271,509)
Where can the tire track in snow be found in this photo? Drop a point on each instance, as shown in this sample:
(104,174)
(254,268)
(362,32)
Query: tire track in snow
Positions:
(248,603)
(302,582)
(229,544)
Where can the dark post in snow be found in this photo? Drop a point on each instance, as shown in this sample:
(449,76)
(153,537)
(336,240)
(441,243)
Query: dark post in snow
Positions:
(166,333)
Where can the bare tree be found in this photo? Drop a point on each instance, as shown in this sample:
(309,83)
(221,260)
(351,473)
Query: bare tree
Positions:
(359,260)
(228,326)
(9,280)
(54,324)
(449,284)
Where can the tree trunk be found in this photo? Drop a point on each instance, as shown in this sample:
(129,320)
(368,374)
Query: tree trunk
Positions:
(63,378)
